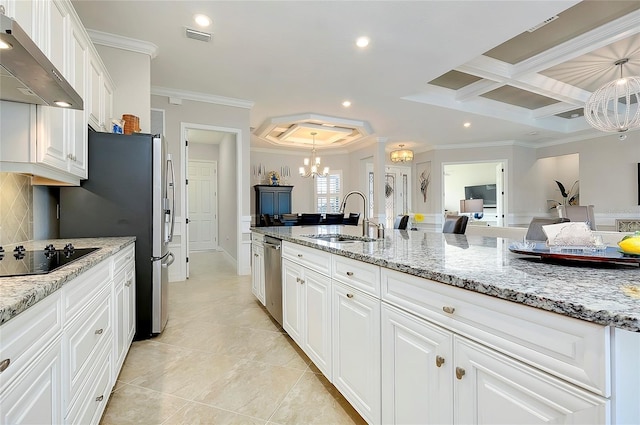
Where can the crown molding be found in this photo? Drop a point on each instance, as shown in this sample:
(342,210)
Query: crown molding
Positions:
(201,97)
(301,153)
(123,43)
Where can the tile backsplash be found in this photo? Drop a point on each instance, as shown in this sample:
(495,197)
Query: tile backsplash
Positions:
(16,208)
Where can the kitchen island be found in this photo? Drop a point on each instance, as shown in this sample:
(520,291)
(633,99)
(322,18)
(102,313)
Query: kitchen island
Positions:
(538,341)
(64,334)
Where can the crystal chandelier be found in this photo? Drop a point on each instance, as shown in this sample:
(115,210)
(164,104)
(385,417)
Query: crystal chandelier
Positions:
(312,165)
(615,107)
(401,155)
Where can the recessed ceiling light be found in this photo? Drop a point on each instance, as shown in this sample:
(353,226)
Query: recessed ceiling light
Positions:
(467,124)
(346,103)
(202,20)
(362,41)
(575,115)
(533,133)
(62,104)
(4,45)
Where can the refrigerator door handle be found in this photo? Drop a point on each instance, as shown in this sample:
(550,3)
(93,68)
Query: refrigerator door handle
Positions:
(171,185)
(171,260)
(163,257)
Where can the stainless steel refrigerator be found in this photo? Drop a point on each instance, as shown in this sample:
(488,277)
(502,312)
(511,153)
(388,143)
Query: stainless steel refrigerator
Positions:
(130,191)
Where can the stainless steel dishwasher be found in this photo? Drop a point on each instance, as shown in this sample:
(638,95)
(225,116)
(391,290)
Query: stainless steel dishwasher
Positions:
(273,276)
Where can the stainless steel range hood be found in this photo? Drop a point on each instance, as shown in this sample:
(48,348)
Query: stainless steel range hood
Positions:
(27,75)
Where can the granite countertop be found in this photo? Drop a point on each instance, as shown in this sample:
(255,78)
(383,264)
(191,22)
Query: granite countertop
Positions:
(18,293)
(607,294)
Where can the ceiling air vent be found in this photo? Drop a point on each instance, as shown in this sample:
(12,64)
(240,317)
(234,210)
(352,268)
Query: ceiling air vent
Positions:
(198,35)
(543,23)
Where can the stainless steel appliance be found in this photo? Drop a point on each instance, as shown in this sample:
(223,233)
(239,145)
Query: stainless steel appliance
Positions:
(27,75)
(130,192)
(22,262)
(273,277)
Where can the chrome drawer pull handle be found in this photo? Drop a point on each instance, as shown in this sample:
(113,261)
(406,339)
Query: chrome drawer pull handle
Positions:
(349,273)
(4,365)
(460,372)
(297,279)
(448,309)
(100,398)
(255,255)
(299,255)
(439,361)
(301,281)
(99,331)
(349,295)
(128,283)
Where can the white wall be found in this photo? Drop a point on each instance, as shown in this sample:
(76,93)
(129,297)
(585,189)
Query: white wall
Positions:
(131,74)
(205,151)
(227,196)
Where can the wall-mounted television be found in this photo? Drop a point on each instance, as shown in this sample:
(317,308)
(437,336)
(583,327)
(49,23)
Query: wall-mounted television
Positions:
(486,192)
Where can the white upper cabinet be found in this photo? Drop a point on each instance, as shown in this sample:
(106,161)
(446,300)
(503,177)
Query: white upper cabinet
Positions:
(55,150)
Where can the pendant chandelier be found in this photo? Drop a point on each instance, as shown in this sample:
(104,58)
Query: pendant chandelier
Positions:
(401,155)
(615,107)
(311,165)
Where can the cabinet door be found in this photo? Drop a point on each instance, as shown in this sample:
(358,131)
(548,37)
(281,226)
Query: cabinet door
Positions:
(35,396)
(257,272)
(79,55)
(93,102)
(417,364)
(317,321)
(491,388)
(268,203)
(283,202)
(292,301)
(356,349)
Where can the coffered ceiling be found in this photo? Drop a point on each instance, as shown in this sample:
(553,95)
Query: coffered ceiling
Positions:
(430,67)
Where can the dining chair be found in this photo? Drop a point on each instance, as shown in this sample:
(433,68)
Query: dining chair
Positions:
(455,224)
(333,218)
(307,218)
(578,213)
(401,222)
(352,219)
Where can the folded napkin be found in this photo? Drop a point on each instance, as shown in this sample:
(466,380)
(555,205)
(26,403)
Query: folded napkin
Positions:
(569,234)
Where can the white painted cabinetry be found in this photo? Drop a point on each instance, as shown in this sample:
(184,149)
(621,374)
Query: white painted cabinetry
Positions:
(257,268)
(59,359)
(356,349)
(306,308)
(51,143)
(31,365)
(124,286)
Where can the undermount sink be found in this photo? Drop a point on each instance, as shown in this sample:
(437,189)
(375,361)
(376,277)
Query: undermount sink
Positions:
(340,238)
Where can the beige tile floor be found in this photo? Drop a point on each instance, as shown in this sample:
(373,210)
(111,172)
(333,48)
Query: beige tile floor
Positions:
(221,360)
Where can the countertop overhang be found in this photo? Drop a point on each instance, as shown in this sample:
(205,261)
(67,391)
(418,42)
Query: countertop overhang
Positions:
(605,294)
(18,293)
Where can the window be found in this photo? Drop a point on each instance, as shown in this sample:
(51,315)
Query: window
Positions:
(329,192)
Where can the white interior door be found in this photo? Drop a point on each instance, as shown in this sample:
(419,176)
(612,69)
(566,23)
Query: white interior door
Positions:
(203,205)
(500,207)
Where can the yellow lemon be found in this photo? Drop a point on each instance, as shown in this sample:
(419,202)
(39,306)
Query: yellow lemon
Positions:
(630,244)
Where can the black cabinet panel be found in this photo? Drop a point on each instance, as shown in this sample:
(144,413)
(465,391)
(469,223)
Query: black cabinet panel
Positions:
(272,200)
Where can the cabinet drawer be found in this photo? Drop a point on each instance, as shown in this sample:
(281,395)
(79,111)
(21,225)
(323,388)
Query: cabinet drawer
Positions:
(312,258)
(93,398)
(122,258)
(25,335)
(85,337)
(257,237)
(571,349)
(363,276)
(78,293)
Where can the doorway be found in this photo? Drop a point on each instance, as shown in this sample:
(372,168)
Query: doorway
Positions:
(203,205)
(460,180)
(216,150)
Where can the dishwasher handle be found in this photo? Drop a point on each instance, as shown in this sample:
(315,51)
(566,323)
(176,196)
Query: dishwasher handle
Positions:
(270,245)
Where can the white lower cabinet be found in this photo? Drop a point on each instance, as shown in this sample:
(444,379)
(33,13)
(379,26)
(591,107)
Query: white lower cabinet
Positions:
(417,370)
(433,376)
(356,349)
(57,358)
(257,271)
(306,312)
(34,397)
(493,388)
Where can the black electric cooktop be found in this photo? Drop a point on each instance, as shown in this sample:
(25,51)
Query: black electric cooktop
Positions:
(21,262)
